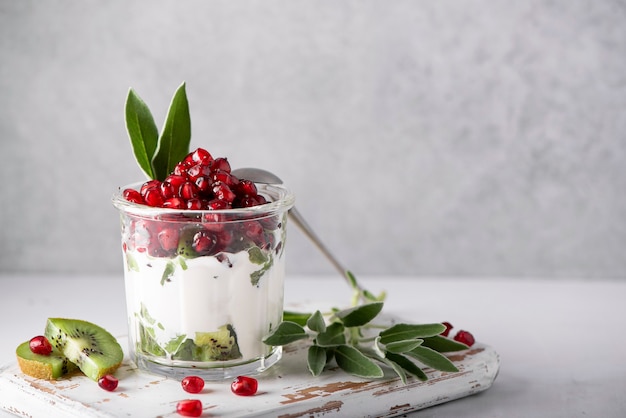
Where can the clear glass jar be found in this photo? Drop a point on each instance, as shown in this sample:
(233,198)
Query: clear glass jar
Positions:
(204,287)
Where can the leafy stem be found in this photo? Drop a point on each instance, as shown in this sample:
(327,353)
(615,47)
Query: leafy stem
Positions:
(350,338)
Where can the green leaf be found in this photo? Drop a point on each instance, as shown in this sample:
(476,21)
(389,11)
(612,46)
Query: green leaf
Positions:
(352,361)
(396,368)
(333,336)
(402,332)
(316,359)
(443,344)
(174,141)
(142,132)
(359,315)
(403,346)
(297,317)
(316,322)
(286,332)
(431,358)
(407,365)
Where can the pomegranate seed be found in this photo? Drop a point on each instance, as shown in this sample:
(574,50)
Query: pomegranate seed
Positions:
(201,155)
(247,187)
(188,190)
(203,184)
(180,169)
(244,386)
(204,242)
(149,185)
(220,164)
(133,195)
(40,345)
(108,382)
(175,203)
(192,384)
(216,204)
(253,230)
(223,192)
(153,197)
(195,204)
(224,177)
(447,330)
(465,337)
(171,186)
(189,408)
(168,238)
(198,170)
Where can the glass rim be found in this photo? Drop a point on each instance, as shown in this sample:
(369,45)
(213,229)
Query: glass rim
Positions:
(283,200)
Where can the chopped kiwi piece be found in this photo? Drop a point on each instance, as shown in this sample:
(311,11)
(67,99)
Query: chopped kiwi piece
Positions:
(48,367)
(220,345)
(185,241)
(92,348)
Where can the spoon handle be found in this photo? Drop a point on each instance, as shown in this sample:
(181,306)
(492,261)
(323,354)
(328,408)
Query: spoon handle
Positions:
(308,231)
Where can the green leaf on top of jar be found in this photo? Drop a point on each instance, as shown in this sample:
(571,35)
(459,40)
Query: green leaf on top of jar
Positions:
(157,154)
(174,140)
(142,132)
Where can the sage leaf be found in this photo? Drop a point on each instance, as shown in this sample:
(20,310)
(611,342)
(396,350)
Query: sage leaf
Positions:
(359,315)
(431,358)
(402,332)
(333,336)
(316,359)
(286,332)
(142,132)
(175,137)
(396,368)
(352,361)
(297,317)
(403,346)
(316,322)
(407,365)
(443,344)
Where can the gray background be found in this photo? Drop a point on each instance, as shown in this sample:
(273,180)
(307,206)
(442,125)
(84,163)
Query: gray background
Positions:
(446,138)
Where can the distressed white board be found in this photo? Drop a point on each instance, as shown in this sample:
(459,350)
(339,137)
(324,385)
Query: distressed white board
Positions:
(287,390)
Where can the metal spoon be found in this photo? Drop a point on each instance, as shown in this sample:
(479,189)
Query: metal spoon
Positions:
(258,175)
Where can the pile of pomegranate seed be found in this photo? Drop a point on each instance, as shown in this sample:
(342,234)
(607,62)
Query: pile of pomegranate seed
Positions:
(198,182)
(464,337)
(40,345)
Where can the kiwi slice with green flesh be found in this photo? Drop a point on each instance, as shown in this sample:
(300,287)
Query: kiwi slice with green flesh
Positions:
(220,345)
(92,348)
(47,367)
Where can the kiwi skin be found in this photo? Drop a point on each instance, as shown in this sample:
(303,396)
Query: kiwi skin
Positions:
(49,367)
(92,348)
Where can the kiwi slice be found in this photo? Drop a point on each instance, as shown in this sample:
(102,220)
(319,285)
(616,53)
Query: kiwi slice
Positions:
(48,367)
(218,345)
(92,348)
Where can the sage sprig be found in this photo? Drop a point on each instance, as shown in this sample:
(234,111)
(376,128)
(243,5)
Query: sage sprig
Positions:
(360,347)
(157,155)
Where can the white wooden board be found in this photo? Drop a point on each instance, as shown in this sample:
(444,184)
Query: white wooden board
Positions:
(287,390)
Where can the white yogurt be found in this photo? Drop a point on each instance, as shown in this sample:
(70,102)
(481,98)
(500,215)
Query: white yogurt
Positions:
(204,294)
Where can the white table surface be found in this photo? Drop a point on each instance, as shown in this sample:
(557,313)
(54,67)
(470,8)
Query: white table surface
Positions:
(562,343)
